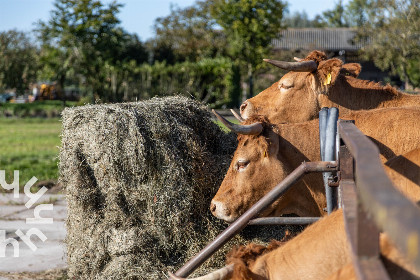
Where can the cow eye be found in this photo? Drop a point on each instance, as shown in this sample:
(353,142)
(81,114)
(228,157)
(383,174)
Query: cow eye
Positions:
(286,86)
(241,164)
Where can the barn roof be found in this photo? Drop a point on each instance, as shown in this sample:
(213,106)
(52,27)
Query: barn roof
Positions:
(329,39)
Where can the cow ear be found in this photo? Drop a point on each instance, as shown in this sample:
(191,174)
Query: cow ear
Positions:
(328,71)
(351,69)
(273,147)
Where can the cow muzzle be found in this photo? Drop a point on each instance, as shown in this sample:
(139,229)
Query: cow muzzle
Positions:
(219,210)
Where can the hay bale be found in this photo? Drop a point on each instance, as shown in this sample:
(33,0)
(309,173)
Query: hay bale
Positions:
(139,178)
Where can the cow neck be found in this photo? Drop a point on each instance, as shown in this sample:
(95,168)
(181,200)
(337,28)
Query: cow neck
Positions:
(325,239)
(350,94)
(299,142)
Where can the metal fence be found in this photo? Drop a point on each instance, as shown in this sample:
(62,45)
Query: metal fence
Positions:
(369,200)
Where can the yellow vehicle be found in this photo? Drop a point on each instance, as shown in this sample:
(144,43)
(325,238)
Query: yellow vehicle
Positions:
(48,92)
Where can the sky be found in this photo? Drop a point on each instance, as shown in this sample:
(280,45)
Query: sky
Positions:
(137,16)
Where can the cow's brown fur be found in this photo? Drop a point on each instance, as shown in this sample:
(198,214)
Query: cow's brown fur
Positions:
(403,171)
(288,145)
(310,255)
(345,273)
(321,251)
(244,257)
(351,69)
(396,265)
(310,92)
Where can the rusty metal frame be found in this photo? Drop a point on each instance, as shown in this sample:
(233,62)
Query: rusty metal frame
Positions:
(371,203)
(283,221)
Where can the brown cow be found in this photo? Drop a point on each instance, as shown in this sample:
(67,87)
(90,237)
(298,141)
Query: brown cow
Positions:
(320,250)
(317,82)
(404,171)
(261,161)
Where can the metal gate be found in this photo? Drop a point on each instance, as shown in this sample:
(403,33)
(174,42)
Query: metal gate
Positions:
(367,196)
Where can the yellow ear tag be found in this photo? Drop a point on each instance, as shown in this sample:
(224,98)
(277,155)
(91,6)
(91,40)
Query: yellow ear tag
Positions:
(328,80)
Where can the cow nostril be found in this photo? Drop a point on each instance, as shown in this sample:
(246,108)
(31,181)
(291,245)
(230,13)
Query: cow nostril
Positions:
(212,207)
(243,106)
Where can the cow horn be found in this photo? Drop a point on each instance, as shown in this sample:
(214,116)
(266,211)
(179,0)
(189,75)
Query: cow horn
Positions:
(215,275)
(236,115)
(301,66)
(251,129)
(297,59)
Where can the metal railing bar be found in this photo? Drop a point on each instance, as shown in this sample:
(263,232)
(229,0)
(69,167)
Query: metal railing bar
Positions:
(349,203)
(371,269)
(283,221)
(391,210)
(253,212)
(366,267)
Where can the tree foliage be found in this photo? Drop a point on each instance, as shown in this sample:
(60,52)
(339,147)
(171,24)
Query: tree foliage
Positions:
(212,81)
(336,16)
(249,26)
(354,14)
(392,31)
(357,13)
(301,20)
(81,37)
(187,34)
(18,61)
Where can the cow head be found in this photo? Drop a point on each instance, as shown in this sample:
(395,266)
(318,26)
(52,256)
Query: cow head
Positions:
(255,169)
(295,97)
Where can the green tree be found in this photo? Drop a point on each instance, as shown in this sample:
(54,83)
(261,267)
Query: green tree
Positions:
(187,34)
(249,26)
(133,49)
(392,34)
(80,37)
(298,20)
(336,17)
(18,61)
(356,12)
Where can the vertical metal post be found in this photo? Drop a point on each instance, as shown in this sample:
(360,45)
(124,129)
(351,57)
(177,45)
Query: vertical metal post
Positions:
(330,151)
(323,116)
(328,133)
(337,152)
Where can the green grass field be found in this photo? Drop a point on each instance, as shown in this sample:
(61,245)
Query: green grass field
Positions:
(30,146)
(43,109)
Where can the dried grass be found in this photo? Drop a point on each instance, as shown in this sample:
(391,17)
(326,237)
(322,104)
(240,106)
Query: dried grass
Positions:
(139,178)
